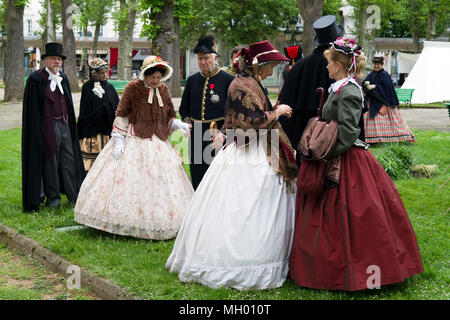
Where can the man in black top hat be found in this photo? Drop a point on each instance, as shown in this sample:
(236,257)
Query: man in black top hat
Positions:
(203,104)
(51,156)
(305,76)
(308,74)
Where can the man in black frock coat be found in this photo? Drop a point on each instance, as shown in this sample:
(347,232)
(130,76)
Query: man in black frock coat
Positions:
(202,103)
(305,77)
(51,156)
(308,74)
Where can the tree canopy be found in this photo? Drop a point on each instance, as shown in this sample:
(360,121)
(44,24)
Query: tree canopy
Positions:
(234,22)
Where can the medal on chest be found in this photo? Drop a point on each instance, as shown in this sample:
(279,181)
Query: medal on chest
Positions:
(214,96)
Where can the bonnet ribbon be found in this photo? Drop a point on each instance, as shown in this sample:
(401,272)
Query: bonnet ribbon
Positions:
(158,96)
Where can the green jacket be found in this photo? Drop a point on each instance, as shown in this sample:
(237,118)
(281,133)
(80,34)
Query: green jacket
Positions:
(345,108)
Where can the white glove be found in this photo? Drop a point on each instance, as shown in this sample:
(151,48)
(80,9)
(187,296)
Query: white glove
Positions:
(371,86)
(98,90)
(178,124)
(118,145)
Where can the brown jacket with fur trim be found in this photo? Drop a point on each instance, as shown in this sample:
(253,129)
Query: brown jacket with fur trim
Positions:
(147,119)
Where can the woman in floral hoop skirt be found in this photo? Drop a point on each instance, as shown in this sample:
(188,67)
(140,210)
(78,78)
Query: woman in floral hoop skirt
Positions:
(138,186)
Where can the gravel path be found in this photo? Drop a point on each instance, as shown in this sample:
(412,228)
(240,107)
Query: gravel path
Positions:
(416,118)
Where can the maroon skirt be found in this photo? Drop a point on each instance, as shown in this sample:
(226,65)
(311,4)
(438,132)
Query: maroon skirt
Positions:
(346,236)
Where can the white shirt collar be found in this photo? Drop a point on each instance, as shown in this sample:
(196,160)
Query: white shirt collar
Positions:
(335,86)
(338,84)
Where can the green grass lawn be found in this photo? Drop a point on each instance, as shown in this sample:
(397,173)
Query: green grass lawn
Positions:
(138,265)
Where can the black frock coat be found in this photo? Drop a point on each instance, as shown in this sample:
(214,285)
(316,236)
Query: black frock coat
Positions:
(298,92)
(33,145)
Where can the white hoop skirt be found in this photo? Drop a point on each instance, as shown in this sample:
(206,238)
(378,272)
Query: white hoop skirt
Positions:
(238,229)
(144,194)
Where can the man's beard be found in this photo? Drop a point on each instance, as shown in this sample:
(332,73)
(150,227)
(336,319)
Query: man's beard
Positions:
(56,69)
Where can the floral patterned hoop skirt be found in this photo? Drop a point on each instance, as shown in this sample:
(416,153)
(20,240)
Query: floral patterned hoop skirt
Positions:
(143,194)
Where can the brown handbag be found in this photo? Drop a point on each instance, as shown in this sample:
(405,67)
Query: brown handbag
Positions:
(316,144)
(319,137)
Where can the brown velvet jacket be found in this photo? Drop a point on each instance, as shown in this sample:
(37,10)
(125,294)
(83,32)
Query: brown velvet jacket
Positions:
(147,119)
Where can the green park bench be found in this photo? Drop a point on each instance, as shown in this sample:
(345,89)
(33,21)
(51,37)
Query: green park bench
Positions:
(447,104)
(119,85)
(404,95)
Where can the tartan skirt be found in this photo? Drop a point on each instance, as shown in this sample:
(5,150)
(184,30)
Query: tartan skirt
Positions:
(387,128)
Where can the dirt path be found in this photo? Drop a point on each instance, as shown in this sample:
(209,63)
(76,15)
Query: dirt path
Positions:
(22,278)
(416,118)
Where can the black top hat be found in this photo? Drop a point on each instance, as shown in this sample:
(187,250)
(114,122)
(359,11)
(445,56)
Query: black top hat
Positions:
(206,44)
(53,49)
(327,30)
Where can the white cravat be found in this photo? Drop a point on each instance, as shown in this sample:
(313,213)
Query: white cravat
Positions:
(55,80)
(158,96)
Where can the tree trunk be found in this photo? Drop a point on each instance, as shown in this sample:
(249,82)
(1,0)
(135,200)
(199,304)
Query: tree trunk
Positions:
(415,36)
(96,35)
(175,84)
(310,10)
(167,44)
(126,30)
(122,35)
(14,68)
(365,36)
(414,25)
(69,46)
(431,21)
(50,34)
(362,35)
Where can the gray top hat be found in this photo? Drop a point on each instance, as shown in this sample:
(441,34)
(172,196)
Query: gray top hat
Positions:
(327,30)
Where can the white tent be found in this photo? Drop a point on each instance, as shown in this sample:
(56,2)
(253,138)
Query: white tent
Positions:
(430,75)
(406,61)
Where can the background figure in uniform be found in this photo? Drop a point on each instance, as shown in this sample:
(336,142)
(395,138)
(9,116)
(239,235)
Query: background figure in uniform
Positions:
(383,122)
(234,66)
(51,156)
(98,106)
(203,102)
(299,90)
(294,53)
